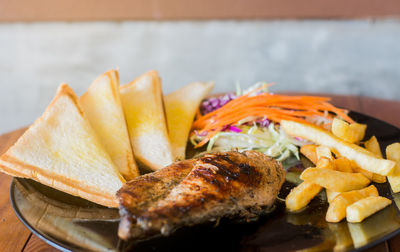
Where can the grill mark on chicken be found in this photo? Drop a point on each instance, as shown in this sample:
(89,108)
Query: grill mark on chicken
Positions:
(228,184)
(137,195)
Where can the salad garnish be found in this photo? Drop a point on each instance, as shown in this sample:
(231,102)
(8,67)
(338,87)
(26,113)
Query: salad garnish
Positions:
(249,120)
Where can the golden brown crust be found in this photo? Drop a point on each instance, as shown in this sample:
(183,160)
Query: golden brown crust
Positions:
(110,76)
(10,171)
(157,91)
(153,73)
(14,167)
(113,78)
(64,90)
(73,187)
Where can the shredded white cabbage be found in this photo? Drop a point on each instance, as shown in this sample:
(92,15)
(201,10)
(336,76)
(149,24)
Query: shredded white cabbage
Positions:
(270,140)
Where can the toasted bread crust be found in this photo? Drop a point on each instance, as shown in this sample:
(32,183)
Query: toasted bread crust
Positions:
(153,73)
(17,168)
(63,90)
(13,166)
(142,155)
(129,170)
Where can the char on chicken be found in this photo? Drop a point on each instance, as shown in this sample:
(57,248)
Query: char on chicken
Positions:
(230,184)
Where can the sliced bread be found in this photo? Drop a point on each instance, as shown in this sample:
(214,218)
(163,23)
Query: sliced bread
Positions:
(180,107)
(62,150)
(142,101)
(102,105)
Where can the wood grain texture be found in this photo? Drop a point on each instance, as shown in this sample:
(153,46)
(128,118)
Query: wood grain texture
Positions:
(388,111)
(13,234)
(15,241)
(35,244)
(381,247)
(394,244)
(89,10)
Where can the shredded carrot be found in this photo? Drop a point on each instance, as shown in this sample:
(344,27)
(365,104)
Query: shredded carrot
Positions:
(265,105)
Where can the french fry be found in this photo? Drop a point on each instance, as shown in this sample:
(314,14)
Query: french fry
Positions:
(358,131)
(366,173)
(363,158)
(309,151)
(325,163)
(393,153)
(373,146)
(337,208)
(363,208)
(335,180)
(301,195)
(342,164)
(323,151)
(331,195)
(377,178)
(339,128)
(352,133)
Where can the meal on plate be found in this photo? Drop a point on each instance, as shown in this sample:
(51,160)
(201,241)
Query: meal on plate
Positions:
(125,146)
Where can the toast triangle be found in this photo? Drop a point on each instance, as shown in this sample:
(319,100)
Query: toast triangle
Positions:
(180,107)
(61,150)
(142,101)
(102,106)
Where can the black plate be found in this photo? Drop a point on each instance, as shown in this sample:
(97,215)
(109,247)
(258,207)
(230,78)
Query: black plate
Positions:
(72,224)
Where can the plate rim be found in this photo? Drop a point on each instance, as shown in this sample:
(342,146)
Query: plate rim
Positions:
(49,240)
(66,248)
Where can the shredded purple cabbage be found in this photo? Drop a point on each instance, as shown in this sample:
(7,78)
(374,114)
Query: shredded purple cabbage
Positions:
(264,122)
(215,103)
(204,133)
(235,129)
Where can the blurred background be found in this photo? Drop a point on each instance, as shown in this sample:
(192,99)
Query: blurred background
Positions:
(340,47)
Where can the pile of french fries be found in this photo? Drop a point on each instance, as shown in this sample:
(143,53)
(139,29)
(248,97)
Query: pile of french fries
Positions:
(344,169)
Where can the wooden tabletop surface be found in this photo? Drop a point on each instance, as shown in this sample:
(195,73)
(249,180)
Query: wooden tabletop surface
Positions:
(14,236)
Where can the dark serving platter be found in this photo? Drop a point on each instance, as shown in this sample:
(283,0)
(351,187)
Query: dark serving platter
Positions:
(73,224)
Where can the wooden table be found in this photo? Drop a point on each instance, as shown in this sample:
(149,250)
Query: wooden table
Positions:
(14,236)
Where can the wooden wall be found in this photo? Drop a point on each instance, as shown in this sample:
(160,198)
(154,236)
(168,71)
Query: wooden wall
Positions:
(91,10)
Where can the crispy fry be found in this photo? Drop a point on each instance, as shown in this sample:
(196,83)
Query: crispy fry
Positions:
(373,146)
(365,159)
(335,180)
(358,131)
(309,151)
(301,195)
(323,151)
(331,195)
(342,164)
(337,208)
(357,168)
(325,163)
(352,133)
(377,178)
(363,208)
(393,153)
(339,128)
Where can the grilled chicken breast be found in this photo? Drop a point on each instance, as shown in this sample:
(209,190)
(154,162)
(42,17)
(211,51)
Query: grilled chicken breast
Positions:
(230,184)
